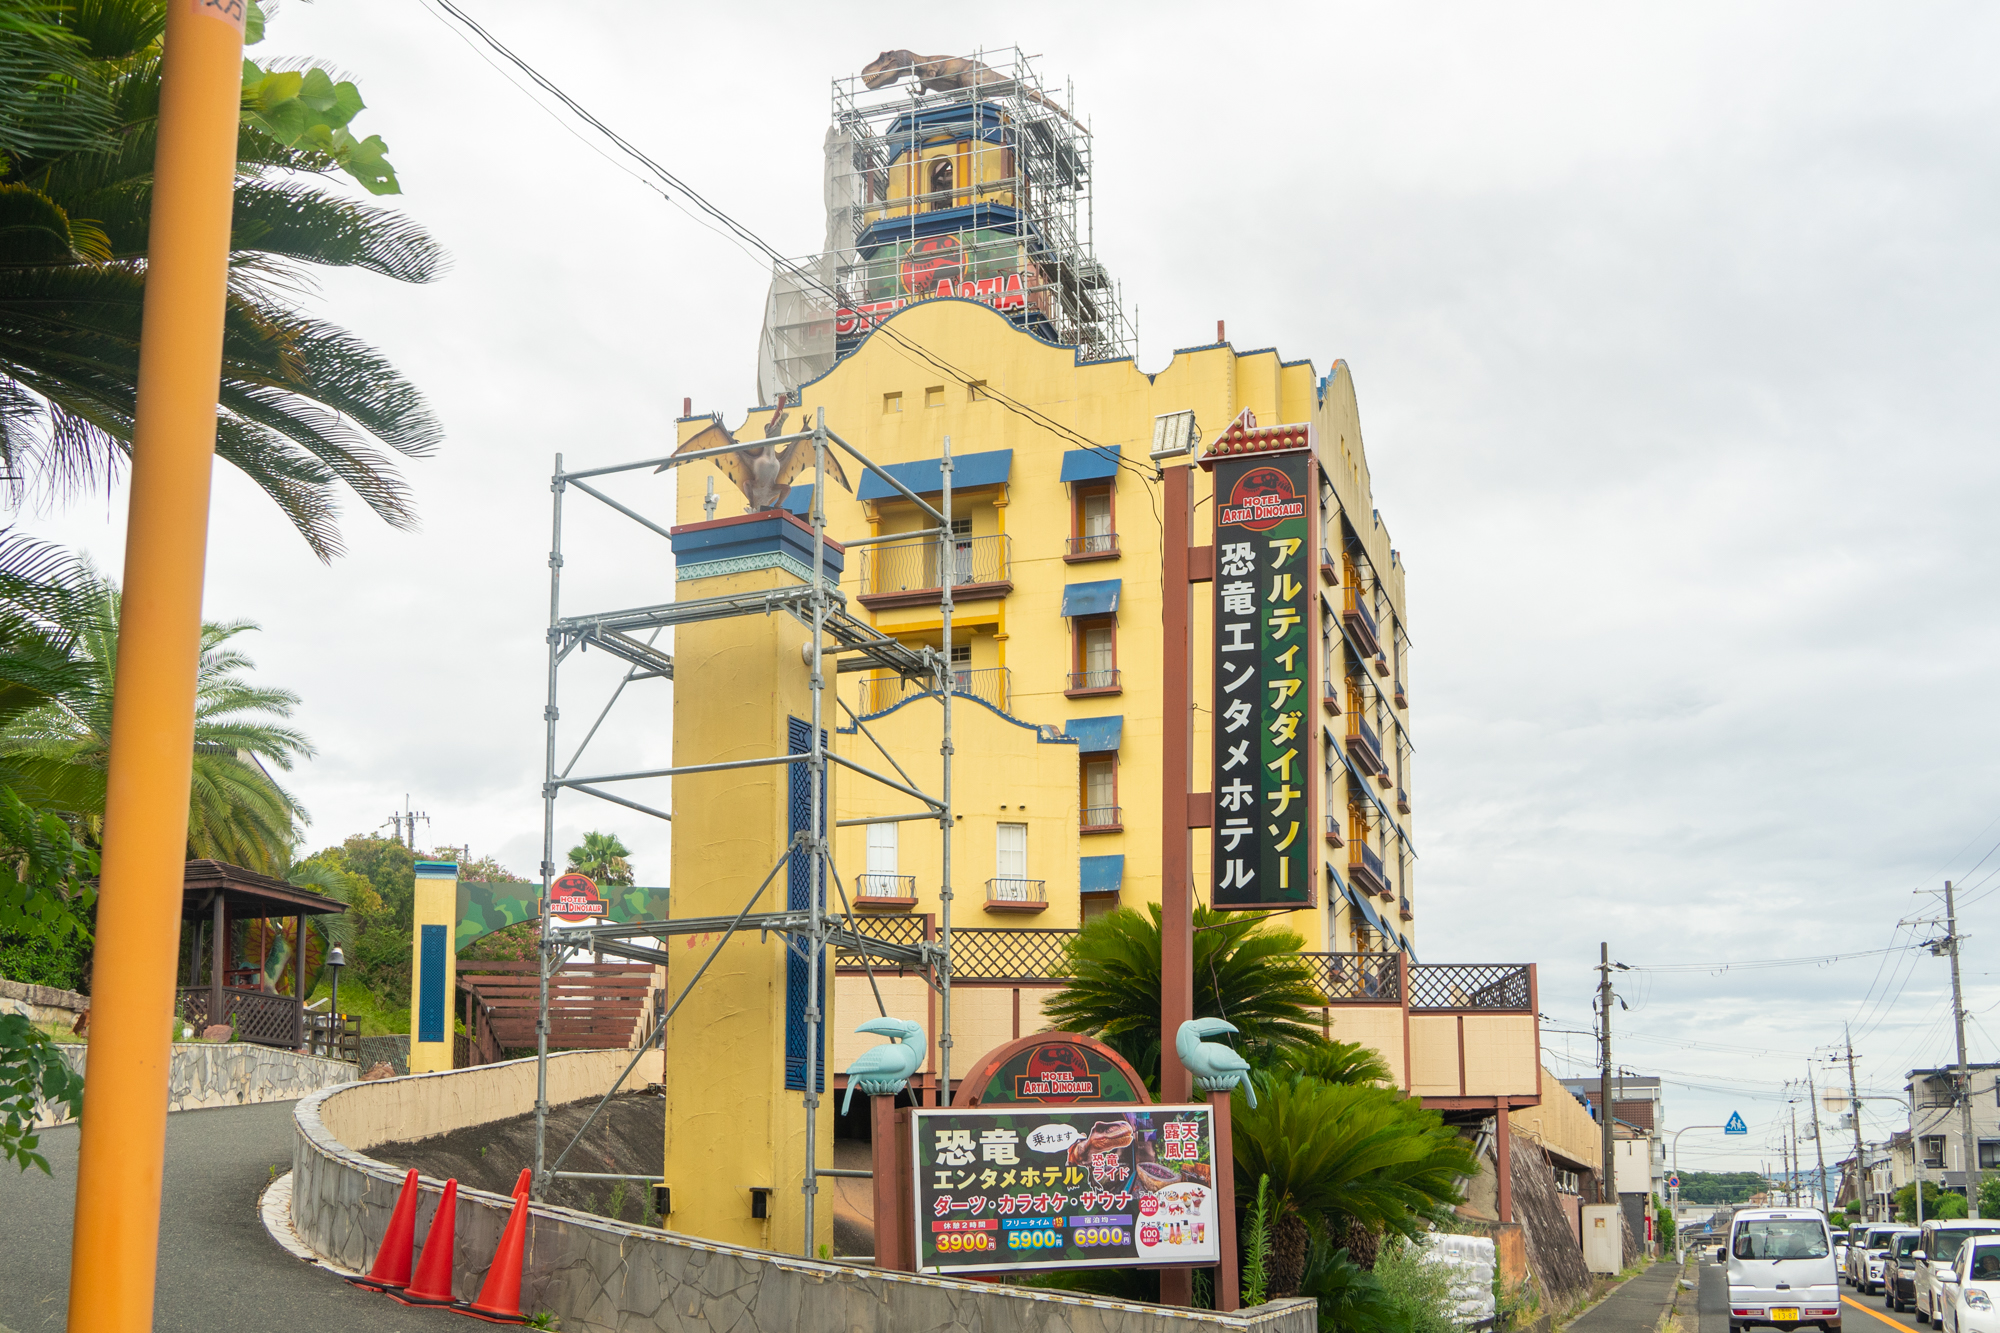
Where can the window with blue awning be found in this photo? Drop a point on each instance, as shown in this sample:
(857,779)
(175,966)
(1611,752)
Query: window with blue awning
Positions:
(926,477)
(1090,464)
(1091,599)
(1101,874)
(1096,735)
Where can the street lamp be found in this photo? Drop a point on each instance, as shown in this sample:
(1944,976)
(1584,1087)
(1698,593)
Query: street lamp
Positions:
(335,960)
(1674,1194)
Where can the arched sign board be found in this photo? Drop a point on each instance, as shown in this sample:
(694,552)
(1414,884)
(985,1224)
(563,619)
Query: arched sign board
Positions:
(1053,1156)
(1054,1068)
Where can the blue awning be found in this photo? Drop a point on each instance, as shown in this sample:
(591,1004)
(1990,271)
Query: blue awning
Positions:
(1100,874)
(1096,735)
(1090,464)
(1091,599)
(926,477)
(1361,905)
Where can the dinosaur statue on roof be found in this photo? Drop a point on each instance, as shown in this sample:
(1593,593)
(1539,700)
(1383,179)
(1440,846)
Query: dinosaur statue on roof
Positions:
(763,472)
(947,74)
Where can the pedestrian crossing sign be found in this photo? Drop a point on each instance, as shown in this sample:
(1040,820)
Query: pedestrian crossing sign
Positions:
(1736,1125)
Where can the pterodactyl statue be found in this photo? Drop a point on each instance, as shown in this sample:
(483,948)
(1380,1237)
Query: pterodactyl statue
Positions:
(884,1071)
(1216,1068)
(763,472)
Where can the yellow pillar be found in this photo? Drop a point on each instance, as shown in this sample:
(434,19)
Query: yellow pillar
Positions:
(433,966)
(733,1124)
(116,1238)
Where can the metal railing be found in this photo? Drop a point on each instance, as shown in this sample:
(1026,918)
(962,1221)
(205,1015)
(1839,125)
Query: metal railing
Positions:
(1362,736)
(1403,908)
(993,685)
(1104,678)
(1329,696)
(1333,829)
(871,885)
(1364,866)
(912,566)
(1099,543)
(1402,801)
(1101,816)
(1502,987)
(1356,607)
(1007,889)
(1401,697)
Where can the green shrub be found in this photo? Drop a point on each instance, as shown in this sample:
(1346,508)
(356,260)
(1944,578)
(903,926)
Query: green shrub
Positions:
(1419,1290)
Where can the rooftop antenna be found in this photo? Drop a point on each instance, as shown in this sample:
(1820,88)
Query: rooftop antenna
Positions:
(405,823)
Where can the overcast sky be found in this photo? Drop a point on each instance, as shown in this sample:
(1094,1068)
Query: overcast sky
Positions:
(1674,337)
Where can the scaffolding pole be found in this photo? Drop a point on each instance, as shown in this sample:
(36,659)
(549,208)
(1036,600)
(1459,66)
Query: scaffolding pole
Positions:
(822,608)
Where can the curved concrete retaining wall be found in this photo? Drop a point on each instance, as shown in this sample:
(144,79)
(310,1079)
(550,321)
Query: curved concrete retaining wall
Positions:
(209,1074)
(600,1276)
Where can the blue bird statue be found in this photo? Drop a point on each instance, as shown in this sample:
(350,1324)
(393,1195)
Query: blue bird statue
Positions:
(884,1071)
(1216,1068)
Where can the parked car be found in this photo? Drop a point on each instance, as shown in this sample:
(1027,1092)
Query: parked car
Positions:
(1940,1245)
(1970,1287)
(1853,1266)
(1781,1270)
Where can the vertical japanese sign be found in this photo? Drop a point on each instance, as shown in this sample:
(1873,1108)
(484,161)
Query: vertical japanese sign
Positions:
(1032,1187)
(1263,832)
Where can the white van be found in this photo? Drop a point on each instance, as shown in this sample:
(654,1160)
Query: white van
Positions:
(1939,1246)
(1781,1270)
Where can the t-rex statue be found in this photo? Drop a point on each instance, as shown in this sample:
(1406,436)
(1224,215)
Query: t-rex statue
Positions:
(761,471)
(945,74)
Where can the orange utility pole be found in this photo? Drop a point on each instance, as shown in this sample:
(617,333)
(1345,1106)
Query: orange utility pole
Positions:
(115,1245)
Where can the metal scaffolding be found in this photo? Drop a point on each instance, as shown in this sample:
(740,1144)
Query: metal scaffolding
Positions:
(835,633)
(985,189)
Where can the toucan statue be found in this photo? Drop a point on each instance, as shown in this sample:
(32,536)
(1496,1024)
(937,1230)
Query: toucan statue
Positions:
(884,1071)
(1216,1068)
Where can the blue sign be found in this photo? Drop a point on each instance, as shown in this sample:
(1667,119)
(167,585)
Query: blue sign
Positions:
(1735,1125)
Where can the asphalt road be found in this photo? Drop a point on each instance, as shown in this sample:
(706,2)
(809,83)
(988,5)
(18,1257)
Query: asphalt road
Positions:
(219,1271)
(1859,1314)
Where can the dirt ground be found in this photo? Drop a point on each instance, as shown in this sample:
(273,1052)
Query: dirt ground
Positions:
(629,1136)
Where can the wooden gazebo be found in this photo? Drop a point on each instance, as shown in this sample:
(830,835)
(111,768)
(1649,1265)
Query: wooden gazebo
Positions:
(218,893)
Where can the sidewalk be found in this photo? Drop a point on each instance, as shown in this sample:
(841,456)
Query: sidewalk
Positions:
(1635,1307)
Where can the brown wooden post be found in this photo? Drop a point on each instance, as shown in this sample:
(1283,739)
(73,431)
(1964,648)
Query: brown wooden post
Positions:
(1176,781)
(1503,1159)
(904,1234)
(1228,1284)
(299,985)
(889,1199)
(218,947)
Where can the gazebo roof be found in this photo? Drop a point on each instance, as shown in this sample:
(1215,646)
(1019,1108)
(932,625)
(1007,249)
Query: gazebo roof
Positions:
(247,894)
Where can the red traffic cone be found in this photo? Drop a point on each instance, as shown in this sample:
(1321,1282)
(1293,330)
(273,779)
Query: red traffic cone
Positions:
(500,1297)
(392,1261)
(432,1284)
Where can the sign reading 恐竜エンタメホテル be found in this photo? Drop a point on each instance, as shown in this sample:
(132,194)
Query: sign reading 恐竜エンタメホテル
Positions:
(1030,1187)
(1263,834)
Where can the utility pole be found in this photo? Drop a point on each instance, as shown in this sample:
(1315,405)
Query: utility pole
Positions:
(1854,1114)
(1793,1178)
(1610,1183)
(1970,1144)
(1819,1141)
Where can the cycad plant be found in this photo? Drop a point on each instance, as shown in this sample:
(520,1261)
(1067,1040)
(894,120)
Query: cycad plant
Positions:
(1244,971)
(306,407)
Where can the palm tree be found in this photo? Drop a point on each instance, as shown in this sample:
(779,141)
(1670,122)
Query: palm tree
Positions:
(306,407)
(1248,974)
(602,857)
(237,811)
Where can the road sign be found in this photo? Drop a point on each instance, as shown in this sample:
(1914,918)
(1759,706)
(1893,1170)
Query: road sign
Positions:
(1736,1125)
(1673,1182)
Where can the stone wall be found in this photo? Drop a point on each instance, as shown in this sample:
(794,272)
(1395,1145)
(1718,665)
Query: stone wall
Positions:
(597,1275)
(209,1074)
(43,1004)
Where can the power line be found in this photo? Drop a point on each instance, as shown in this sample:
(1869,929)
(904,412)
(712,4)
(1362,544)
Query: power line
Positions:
(1759,964)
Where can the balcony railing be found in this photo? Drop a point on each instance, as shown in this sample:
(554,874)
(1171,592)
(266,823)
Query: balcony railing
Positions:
(1329,696)
(906,573)
(1007,894)
(993,685)
(1327,573)
(1361,623)
(1095,546)
(1364,867)
(1381,665)
(1365,978)
(896,888)
(1403,908)
(1102,818)
(1401,698)
(1489,986)
(1333,830)
(1103,680)
(1364,746)
(1402,801)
